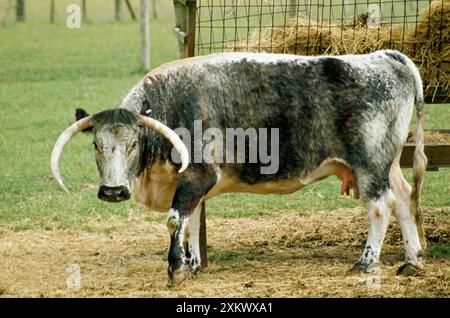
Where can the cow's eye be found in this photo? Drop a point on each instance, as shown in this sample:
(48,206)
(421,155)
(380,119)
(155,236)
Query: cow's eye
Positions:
(97,148)
(132,147)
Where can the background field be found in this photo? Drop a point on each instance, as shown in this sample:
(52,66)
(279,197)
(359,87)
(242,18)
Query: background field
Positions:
(258,245)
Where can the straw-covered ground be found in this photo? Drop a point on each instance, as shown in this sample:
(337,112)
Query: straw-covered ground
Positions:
(293,255)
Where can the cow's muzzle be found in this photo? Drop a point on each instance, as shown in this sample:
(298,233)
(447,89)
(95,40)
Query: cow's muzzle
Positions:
(113,194)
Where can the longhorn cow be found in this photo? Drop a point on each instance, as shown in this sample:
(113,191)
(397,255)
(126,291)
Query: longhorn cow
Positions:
(347,116)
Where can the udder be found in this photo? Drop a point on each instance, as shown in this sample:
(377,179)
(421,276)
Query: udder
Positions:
(339,168)
(347,179)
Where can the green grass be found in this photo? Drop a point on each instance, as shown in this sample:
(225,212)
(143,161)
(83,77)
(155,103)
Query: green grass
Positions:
(46,71)
(439,251)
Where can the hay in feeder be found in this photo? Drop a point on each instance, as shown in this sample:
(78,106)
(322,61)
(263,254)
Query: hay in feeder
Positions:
(428,44)
(303,36)
(431,137)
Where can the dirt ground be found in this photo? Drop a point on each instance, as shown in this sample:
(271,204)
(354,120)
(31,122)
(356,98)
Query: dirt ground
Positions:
(292,255)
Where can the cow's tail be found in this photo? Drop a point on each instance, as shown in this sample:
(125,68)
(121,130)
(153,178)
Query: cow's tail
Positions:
(420,160)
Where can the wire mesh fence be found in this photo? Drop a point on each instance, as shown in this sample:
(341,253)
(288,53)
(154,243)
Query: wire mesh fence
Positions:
(419,28)
(221,24)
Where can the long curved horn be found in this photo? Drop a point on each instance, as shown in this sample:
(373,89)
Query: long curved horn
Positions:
(169,134)
(62,140)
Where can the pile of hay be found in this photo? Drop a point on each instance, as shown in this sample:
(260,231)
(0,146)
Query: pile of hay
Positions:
(303,36)
(430,137)
(428,44)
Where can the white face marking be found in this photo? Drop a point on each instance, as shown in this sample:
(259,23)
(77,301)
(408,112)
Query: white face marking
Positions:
(113,158)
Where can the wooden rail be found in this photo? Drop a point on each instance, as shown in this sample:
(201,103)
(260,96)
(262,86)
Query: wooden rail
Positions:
(438,153)
(438,156)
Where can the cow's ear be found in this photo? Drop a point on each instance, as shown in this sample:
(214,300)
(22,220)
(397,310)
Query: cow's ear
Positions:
(80,113)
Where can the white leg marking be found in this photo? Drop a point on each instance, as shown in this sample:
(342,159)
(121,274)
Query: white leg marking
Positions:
(194,238)
(402,212)
(173,218)
(174,224)
(188,236)
(379,212)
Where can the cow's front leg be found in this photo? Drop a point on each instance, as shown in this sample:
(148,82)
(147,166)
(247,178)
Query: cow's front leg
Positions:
(184,253)
(184,229)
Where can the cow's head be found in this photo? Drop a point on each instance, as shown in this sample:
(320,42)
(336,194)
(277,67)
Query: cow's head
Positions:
(116,141)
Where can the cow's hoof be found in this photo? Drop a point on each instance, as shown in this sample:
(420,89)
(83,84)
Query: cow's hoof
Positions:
(179,276)
(409,269)
(357,268)
(364,268)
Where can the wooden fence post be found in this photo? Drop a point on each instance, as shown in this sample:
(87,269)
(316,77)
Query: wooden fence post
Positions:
(6,10)
(145,36)
(180,29)
(154,9)
(292,8)
(83,10)
(185,13)
(20,10)
(52,11)
(117,10)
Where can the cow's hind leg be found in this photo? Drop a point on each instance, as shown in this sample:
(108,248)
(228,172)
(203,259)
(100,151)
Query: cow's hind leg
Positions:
(379,212)
(408,227)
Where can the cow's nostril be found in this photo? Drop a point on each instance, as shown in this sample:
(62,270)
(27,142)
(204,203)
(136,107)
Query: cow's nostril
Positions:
(109,192)
(113,194)
(125,194)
